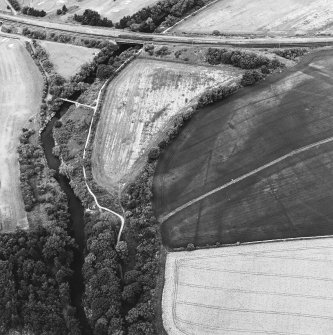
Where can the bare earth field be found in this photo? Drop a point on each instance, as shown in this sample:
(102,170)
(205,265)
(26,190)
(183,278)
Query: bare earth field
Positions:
(68,58)
(114,9)
(234,144)
(262,17)
(269,288)
(20,94)
(139,105)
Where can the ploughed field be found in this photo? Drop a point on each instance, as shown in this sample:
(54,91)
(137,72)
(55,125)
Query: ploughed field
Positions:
(262,17)
(20,98)
(137,109)
(269,288)
(244,151)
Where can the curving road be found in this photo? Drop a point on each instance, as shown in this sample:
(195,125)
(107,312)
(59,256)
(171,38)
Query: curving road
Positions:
(124,36)
(244,176)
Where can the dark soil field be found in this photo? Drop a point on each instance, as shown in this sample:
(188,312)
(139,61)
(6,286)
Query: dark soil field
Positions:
(224,141)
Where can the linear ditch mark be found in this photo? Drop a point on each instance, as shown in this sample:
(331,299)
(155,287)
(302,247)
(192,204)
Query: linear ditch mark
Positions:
(245,176)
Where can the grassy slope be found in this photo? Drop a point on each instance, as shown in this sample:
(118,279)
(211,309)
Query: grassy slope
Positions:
(262,16)
(139,104)
(19,100)
(236,136)
(68,59)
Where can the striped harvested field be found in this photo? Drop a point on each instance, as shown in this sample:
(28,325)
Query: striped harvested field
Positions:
(280,288)
(20,98)
(282,17)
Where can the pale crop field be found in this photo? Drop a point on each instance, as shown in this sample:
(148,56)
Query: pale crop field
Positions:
(114,9)
(138,106)
(267,288)
(66,58)
(20,98)
(3,6)
(262,16)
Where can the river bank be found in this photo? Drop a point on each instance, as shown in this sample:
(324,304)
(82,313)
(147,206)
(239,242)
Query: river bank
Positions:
(76,212)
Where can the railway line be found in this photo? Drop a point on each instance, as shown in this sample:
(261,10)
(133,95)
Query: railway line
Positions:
(121,36)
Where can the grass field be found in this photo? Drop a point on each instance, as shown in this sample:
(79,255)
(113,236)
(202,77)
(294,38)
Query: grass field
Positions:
(270,288)
(67,58)
(241,134)
(262,17)
(20,97)
(139,104)
(3,6)
(114,10)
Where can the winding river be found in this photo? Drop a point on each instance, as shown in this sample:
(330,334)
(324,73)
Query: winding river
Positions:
(76,212)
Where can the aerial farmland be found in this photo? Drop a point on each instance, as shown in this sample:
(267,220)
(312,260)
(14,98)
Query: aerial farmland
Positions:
(113,10)
(286,17)
(247,149)
(139,105)
(68,59)
(269,288)
(19,102)
(169,172)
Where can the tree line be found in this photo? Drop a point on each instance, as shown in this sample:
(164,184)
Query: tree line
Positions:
(92,18)
(35,265)
(164,13)
(15,4)
(33,12)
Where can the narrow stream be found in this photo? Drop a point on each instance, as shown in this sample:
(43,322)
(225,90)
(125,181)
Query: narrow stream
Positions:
(76,212)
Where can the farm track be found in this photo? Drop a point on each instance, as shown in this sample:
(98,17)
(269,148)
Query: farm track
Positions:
(247,175)
(131,37)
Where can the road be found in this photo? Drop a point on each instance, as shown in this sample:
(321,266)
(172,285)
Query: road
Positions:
(249,174)
(122,36)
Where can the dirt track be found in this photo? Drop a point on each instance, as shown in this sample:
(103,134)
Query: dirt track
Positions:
(239,135)
(20,94)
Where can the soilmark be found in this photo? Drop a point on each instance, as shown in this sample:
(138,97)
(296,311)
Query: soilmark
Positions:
(249,174)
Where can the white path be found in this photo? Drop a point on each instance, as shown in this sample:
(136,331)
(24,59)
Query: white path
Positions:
(120,217)
(77,104)
(244,176)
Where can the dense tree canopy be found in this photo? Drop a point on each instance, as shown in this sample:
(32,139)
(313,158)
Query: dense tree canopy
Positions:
(164,13)
(92,18)
(34,289)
